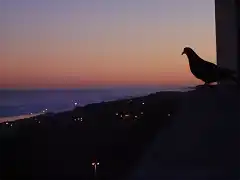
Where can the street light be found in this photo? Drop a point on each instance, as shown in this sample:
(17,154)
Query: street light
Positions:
(95,164)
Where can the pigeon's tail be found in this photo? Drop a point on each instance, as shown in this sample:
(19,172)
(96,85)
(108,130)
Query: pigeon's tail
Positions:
(228,71)
(235,79)
(228,74)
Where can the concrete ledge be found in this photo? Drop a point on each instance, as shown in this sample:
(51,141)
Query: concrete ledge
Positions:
(203,141)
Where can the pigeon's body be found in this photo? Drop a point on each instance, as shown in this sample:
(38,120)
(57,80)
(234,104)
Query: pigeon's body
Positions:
(206,71)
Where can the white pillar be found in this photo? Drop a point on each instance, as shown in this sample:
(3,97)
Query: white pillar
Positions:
(227,33)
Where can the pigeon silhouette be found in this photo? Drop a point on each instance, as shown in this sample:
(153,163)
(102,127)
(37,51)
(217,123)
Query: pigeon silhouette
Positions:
(207,71)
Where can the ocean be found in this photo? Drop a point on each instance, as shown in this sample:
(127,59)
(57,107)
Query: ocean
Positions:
(26,102)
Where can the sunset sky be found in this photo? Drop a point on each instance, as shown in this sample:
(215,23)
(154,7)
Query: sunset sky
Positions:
(78,43)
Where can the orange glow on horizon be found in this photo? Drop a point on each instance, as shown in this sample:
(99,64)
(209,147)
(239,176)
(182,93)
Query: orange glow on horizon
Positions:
(98,46)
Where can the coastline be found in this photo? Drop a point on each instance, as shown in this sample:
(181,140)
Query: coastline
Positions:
(126,97)
(17,118)
(37,112)
(114,133)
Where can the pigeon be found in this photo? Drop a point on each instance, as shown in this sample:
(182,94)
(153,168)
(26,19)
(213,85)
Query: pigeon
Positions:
(207,71)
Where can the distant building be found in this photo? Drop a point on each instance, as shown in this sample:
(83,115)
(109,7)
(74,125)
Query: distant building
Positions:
(227,16)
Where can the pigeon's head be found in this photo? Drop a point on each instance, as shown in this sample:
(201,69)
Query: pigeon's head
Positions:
(187,51)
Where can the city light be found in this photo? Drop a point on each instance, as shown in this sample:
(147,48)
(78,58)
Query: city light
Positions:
(78,119)
(95,164)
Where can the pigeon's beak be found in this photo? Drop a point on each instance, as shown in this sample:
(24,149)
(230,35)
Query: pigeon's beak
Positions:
(183,52)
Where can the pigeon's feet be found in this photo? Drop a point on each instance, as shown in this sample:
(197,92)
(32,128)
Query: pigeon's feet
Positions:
(203,86)
(208,85)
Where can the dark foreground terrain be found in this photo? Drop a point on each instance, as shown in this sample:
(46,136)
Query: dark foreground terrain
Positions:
(202,141)
(64,145)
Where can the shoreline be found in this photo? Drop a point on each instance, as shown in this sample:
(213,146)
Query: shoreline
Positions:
(17,118)
(26,116)
(115,133)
